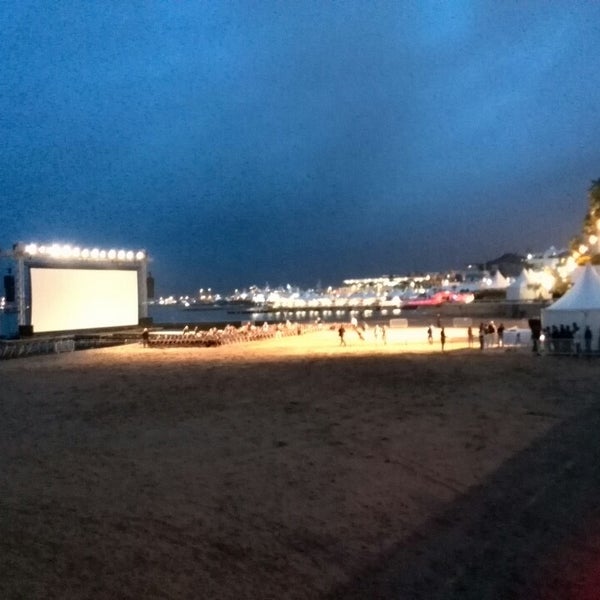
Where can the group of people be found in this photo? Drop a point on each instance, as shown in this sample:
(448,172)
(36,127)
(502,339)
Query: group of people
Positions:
(379,331)
(489,335)
(442,334)
(568,339)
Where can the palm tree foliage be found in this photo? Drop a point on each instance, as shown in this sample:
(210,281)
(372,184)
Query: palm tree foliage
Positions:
(591,220)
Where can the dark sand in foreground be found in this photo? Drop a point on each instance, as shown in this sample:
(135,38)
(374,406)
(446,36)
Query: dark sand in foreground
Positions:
(294,468)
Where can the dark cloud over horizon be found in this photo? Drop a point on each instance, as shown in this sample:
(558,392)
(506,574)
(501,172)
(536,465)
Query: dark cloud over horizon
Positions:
(244,142)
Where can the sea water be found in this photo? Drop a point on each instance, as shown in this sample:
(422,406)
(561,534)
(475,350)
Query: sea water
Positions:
(235,315)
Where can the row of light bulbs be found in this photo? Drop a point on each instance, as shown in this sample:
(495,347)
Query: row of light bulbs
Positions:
(68,251)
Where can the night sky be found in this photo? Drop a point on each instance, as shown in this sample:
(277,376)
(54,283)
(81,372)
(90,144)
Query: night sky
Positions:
(301,142)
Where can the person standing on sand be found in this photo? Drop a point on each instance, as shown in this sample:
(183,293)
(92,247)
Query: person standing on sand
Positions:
(359,333)
(341,332)
(384,334)
(443,338)
(470,336)
(501,335)
(145,337)
(587,338)
(577,339)
(430,334)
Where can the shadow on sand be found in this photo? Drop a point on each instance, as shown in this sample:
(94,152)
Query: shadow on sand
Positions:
(530,531)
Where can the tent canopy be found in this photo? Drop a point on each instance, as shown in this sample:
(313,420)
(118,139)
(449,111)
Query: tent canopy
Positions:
(499,282)
(584,295)
(525,287)
(581,304)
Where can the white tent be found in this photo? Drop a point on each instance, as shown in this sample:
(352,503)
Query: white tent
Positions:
(581,304)
(577,272)
(525,287)
(498,281)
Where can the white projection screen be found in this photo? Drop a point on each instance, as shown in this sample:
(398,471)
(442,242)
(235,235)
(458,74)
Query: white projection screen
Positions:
(71,299)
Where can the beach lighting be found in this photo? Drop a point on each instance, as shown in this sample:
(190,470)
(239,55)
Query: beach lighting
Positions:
(57,251)
(545,279)
(595,239)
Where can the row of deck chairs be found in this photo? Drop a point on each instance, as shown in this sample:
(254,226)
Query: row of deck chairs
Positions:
(219,337)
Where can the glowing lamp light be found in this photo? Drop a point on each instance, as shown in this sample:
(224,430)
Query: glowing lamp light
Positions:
(593,239)
(67,251)
(583,249)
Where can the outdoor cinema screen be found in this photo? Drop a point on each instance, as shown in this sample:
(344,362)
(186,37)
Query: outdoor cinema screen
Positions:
(71,299)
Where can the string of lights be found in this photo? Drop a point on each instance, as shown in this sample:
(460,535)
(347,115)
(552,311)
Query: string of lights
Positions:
(67,251)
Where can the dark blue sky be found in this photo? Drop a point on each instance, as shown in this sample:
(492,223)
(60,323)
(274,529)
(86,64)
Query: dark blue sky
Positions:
(252,142)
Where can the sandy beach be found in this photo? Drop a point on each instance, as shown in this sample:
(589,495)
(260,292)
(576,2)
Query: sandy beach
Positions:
(297,468)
